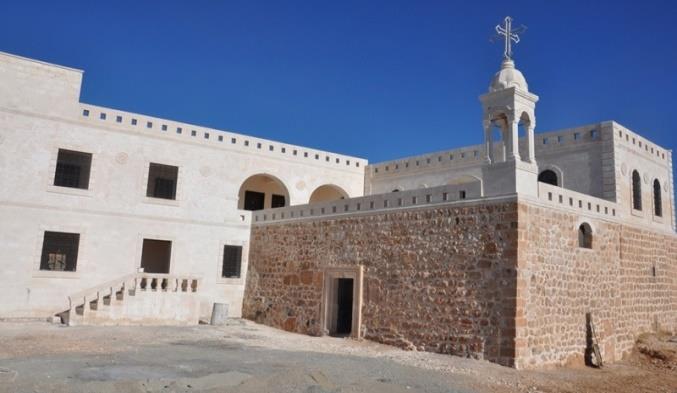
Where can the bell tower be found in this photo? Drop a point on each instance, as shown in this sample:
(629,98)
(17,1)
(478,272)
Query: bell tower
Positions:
(509,107)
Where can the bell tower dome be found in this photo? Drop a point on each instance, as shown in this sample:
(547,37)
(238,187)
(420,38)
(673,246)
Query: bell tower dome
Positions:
(508,106)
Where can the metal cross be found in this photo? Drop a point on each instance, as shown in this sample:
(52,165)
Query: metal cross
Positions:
(510,35)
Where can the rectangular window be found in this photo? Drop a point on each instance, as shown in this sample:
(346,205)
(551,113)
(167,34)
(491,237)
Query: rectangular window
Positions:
(277,201)
(72,169)
(60,251)
(461,194)
(253,200)
(162,181)
(232,261)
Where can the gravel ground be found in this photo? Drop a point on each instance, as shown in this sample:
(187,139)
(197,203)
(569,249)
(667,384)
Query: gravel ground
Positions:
(245,357)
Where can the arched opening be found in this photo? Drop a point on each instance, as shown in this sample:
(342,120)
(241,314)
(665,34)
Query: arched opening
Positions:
(548,176)
(262,191)
(585,235)
(327,193)
(522,139)
(657,200)
(498,129)
(636,191)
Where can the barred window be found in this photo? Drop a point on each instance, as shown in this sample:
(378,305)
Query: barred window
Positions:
(72,169)
(636,191)
(162,181)
(60,251)
(232,261)
(657,200)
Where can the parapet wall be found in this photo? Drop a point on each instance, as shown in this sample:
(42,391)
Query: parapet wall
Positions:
(437,278)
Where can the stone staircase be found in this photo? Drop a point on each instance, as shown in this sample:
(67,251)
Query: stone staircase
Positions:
(137,299)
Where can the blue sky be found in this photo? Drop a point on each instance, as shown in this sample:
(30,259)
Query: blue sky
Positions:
(376,79)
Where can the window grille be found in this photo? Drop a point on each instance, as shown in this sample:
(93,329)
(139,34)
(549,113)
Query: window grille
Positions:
(232,261)
(162,181)
(72,169)
(59,251)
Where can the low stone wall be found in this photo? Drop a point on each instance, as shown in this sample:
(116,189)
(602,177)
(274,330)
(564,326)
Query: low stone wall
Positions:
(559,282)
(438,279)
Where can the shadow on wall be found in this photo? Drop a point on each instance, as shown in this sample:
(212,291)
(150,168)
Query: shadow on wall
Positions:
(327,193)
(262,191)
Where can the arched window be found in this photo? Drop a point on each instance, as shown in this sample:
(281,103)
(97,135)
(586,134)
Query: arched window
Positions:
(657,201)
(636,191)
(585,235)
(548,176)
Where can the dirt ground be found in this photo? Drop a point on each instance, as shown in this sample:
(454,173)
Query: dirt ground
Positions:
(245,357)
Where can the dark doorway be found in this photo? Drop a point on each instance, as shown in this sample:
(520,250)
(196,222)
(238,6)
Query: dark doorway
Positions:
(156,255)
(277,201)
(344,312)
(253,200)
(548,177)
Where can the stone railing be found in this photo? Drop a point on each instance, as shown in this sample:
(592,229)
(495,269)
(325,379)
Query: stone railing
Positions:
(586,204)
(467,155)
(393,200)
(99,297)
(642,145)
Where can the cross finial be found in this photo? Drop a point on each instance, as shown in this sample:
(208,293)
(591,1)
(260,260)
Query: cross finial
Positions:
(509,35)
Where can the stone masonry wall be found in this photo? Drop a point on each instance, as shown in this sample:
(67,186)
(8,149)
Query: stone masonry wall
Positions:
(438,279)
(558,283)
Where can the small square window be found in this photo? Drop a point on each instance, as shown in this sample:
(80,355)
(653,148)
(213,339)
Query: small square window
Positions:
(233,140)
(317,156)
(357,164)
(149,124)
(545,141)
(338,160)
(347,162)
(232,262)
(179,130)
(246,143)
(220,138)
(326,158)
(594,134)
(102,116)
(162,181)
(560,138)
(271,148)
(118,119)
(295,152)
(206,135)
(305,154)
(427,160)
(577,136)
(258,145)
(193,133)
(85,112)
(283,150)
(72,169)
(461,194)
(164,127)
(59,251)
(133,122)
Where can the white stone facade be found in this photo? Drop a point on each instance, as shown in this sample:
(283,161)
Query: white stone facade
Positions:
(40,114)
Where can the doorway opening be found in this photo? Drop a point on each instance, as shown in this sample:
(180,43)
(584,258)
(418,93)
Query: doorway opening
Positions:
(342,302)
(344,307)
(156,256)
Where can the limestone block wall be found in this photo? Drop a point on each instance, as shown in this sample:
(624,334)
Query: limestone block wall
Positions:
(439,278)
(34,86)
(559,282)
